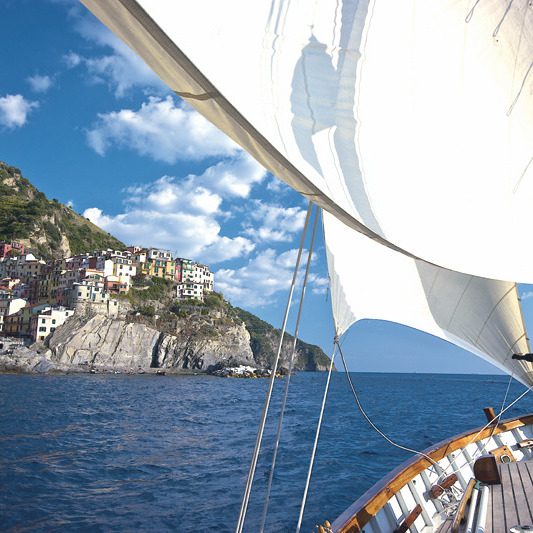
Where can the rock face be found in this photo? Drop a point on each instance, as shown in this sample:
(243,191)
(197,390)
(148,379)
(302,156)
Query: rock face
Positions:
(22,359)
(191,340)
(116,344)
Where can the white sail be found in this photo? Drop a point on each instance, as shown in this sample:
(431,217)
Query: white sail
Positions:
(368,280)
(411,122)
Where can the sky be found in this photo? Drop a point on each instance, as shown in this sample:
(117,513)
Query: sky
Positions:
(89,124)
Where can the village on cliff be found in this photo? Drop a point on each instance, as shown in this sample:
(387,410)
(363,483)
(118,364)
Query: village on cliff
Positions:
(37,296)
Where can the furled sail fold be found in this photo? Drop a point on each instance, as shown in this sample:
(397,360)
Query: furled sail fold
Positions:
(480,315)
(411,122)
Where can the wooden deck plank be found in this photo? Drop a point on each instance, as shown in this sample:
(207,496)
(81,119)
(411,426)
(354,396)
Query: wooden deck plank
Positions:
(509,503)
(521,492)
(498,515)
(488,523)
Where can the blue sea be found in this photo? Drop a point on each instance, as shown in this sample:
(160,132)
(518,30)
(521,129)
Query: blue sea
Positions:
(138,453)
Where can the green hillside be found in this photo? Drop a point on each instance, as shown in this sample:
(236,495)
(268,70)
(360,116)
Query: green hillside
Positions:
(46,227)
(264,340)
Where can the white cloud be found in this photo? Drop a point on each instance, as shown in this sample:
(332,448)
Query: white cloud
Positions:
(319,285)
(161,130)
(526,295)
(278,224)
(234,177)
(277,186)
(258,283)
(14,110)
(72,59)
(40,84)
(254,284)
(181,215)
(121,69)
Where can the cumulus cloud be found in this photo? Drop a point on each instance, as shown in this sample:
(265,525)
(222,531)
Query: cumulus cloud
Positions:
(259,282)
(277,186)
(14,110)
(40,84)
(120,68)
(72,59)
(278,224)
(526,295)
(160,130)
(181,215)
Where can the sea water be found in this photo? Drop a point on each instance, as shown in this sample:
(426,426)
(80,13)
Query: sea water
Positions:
(171,453)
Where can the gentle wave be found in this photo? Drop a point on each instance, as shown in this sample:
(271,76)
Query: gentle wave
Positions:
(133,453)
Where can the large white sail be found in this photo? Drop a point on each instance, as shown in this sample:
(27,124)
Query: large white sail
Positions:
(481,315)
(409,121)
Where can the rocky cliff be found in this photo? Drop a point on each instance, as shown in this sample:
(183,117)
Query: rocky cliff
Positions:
(118,344)
(192,339)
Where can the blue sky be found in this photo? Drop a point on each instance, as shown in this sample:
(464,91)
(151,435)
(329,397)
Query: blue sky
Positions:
(89,124)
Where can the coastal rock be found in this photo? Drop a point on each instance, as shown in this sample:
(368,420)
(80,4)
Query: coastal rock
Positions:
(22,359)
(106,343)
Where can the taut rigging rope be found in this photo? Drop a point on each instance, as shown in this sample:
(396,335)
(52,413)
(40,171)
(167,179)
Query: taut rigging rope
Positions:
(291,363)
(249,480)
(372,423)
(316,441)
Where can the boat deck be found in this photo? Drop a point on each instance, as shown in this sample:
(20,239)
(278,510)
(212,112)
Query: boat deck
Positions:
(510,503)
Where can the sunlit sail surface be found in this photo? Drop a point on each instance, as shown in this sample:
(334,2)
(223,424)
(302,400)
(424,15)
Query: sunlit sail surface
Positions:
(411,122)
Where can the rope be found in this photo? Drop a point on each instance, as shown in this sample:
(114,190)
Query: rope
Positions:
(503,404)
(485,427)
(372,423)
(316,442)
(249,480)
(291,363)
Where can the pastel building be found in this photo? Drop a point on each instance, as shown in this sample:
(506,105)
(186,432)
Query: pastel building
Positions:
(206,277)
(188,290)
(158,263)
(9,306)
(10,248)
(88,291)
(46,322)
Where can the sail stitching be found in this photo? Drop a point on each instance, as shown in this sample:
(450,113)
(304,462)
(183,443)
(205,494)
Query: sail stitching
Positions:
(494,309)
(459,302)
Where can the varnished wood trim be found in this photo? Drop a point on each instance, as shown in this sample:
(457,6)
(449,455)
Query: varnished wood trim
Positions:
(460,514)
(409,520)
(490,414)
(367,506)
(438,489)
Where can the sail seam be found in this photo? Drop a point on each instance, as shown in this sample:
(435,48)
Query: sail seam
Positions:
(459,302)
(493,309)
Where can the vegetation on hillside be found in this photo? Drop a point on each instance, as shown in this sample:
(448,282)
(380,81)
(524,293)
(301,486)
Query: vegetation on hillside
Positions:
(265,337)
(28,216)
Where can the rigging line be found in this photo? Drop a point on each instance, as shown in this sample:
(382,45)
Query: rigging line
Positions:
(249,480)
(291,363)
(319,425)
(503,404)
(455,470)
(520,90)
(437,466)
(471,12)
